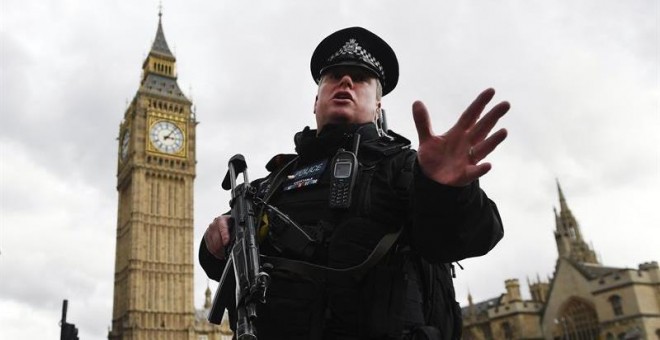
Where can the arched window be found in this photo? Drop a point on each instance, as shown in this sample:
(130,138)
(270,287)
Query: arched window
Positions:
(617,307)
(507,330)
(576,319)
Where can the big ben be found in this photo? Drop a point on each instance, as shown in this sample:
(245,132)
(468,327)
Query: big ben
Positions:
(153,282)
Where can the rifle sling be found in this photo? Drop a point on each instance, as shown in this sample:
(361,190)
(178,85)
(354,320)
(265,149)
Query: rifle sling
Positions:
(278,179)
(319,271)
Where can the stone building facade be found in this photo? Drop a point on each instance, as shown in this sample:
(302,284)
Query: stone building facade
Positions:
(583,299)
(153,281)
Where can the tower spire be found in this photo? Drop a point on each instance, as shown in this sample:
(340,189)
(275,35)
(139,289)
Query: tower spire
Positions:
(160,44)
(570,243)
(566,222)
(562,200)
(159,68)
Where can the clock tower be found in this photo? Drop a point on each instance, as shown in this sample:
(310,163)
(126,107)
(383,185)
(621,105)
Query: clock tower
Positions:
(153,282)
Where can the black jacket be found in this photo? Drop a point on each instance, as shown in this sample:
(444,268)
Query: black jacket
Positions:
(441,224)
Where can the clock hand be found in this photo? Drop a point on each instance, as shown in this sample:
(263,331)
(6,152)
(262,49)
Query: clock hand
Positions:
(169,135)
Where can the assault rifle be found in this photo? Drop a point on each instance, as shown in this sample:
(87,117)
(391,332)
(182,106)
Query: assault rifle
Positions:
(249,279)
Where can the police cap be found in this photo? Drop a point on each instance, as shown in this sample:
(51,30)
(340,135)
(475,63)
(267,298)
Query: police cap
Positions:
(356,46)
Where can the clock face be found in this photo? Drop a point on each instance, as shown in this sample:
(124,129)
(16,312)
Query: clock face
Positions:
(166,136)
(124,144)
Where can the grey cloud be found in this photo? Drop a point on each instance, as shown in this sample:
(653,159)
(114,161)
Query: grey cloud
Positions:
(581,77)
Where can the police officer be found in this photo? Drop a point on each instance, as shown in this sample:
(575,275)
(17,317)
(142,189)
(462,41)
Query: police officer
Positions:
(361,230)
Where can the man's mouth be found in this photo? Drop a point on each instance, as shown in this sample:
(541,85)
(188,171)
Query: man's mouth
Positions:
(343,95)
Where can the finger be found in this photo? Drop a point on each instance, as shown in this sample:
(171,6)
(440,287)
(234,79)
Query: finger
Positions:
(422,121)
(483,127)
(484,148)
(221,223)
(224,234)
(473,173)
(213,244)
(472,113)
(208,238)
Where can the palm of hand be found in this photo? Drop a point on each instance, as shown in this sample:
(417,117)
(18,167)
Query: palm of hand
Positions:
(444,159)
(453,157)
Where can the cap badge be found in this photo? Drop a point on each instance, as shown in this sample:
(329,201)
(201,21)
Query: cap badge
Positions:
(351,50)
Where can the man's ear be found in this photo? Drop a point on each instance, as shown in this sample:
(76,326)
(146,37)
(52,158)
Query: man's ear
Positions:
(316,101)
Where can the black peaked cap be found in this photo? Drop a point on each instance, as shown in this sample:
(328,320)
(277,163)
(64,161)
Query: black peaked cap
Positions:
(356,46)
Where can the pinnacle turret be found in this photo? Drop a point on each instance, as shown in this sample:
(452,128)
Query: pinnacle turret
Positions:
(207,295)
(566,223)
(570,243)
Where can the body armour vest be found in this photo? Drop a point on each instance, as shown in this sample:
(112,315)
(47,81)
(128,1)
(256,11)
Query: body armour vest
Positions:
(391,299)
(407,292)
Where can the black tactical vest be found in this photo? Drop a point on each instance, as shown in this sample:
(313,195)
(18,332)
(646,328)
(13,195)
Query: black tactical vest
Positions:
(396,298)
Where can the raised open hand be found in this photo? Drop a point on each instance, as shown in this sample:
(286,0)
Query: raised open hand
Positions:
(453,157)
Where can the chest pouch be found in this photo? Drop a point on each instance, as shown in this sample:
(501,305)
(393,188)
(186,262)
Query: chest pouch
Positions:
(287,236)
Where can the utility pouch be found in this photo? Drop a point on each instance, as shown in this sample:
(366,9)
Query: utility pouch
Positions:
(287,236)
(382,300)
(295,307)
(443,311)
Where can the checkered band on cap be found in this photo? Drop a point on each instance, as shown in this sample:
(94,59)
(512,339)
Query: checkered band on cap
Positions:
(352,50)
(356,46)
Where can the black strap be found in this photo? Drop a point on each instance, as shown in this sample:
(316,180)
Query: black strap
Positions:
(320,272)
(278,179)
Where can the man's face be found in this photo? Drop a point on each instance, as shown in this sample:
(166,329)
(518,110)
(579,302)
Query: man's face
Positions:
(346,95)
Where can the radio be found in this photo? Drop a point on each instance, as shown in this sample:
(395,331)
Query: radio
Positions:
(344,173)
(343,179)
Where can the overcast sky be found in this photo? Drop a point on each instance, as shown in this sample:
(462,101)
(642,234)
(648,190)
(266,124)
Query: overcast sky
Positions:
(581,76)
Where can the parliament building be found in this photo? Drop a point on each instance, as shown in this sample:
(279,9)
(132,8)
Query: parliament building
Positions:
(154,261)
(583,299)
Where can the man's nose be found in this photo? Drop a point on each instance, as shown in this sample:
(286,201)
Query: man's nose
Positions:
(346,80)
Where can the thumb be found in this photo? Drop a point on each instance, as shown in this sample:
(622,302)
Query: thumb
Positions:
(422,121)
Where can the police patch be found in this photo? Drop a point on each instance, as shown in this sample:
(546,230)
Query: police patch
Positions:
(306,176)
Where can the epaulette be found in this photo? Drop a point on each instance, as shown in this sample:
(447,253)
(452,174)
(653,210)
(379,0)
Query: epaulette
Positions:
(386,145)
(279,161)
